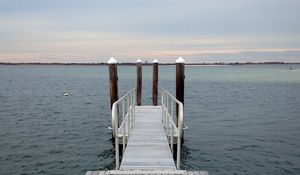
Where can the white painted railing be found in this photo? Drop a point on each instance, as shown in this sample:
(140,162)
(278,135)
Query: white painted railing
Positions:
(123,110)
(173,130)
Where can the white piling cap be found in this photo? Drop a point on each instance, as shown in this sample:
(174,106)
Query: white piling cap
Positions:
(138,61)
(112,61)
(155,61)
(180,60)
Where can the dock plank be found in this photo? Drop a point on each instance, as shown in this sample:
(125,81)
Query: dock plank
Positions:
(147,172)
(148,147)
(147,151)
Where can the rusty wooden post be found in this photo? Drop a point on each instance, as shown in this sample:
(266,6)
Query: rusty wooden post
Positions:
(155,82)
(139,82)
(113,80)
(180,81)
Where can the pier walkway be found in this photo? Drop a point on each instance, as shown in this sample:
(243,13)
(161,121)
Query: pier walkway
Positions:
(147,135)
(148,147)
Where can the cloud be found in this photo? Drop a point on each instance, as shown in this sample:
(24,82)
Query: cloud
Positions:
(65,31)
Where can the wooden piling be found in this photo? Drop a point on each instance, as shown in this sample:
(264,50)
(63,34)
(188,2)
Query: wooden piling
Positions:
(139,82)
(155,82)
(180,81)
(113,80)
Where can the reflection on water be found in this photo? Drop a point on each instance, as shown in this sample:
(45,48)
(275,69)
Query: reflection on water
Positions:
(185,156)
(107,154)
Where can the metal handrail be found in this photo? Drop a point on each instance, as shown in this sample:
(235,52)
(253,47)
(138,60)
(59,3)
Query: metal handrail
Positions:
(123,108)
(169,102)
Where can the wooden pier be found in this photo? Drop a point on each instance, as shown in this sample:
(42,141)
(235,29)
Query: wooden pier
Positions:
(148,147)
(147,134)
(148,151)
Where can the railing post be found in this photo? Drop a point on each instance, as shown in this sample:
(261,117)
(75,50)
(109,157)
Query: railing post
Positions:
(180,134)
(172,133)
(131,110)
(162,104)
(168,118)
(139,82)
(134,104)
(179,82)
(115,130)
(124,126)
(155,82)
(117,153)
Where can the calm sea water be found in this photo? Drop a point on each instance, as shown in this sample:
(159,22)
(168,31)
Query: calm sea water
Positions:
(241,119)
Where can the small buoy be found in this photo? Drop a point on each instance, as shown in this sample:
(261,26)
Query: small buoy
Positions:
(185,127)
(66,94)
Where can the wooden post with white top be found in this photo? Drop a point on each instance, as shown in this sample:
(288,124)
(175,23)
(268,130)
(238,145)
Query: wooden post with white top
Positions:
(155,82)
(180,80)
(139,82)
(113,80)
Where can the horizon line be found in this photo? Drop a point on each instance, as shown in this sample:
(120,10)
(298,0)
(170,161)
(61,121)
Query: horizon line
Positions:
(146,63)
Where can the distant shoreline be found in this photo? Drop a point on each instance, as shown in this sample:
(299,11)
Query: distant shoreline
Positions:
(148,64)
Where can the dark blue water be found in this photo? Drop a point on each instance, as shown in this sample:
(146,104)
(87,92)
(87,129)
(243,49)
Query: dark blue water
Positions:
(241,119)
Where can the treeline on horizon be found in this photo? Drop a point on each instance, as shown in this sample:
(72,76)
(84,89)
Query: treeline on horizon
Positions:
(147,63)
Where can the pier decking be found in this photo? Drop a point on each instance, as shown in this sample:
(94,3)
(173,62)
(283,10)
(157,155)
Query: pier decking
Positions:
(148,147)
(148,135)
(153,172)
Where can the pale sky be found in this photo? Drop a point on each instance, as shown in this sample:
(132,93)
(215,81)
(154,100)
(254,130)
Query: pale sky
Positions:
(197,30)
